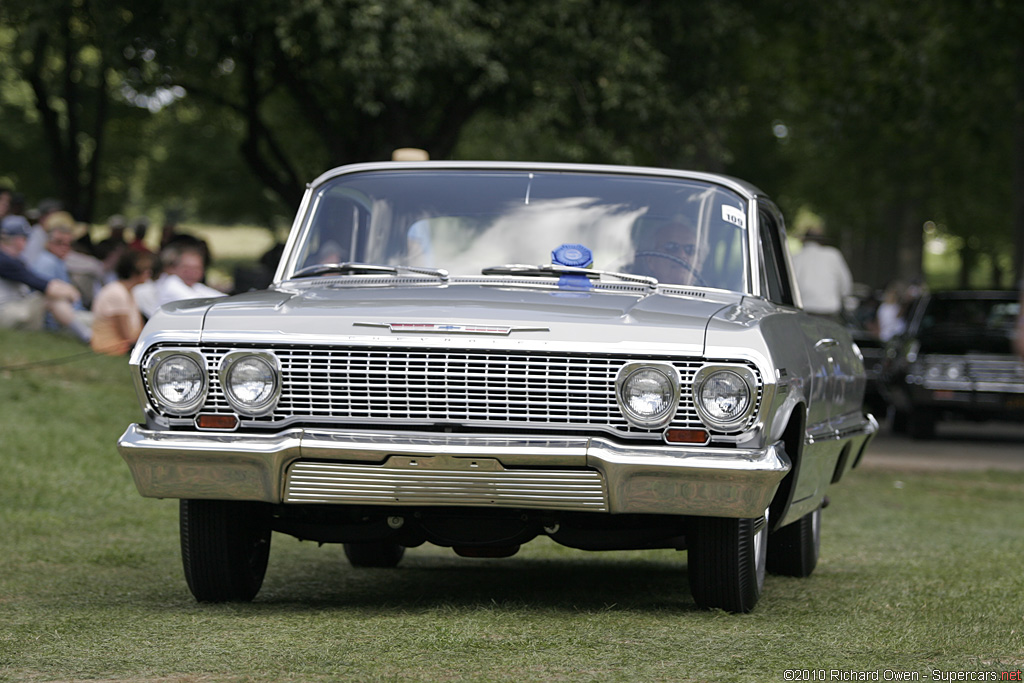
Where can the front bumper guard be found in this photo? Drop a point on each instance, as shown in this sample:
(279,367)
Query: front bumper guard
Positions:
(302,466)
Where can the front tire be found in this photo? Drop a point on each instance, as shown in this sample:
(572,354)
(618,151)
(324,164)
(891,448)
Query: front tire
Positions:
(225,546)
(726,562)
(794,549)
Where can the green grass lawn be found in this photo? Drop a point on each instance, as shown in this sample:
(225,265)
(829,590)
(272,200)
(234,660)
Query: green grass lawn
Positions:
(919,573)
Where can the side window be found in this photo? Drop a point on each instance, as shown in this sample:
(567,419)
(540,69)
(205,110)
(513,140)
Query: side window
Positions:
(774,276)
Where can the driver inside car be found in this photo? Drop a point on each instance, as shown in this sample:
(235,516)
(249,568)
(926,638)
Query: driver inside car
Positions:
(672,255)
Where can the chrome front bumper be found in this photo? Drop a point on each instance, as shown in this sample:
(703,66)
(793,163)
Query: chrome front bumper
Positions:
(415,469)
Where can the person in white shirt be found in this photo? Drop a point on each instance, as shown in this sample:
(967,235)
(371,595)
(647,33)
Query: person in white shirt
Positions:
(890,312)
(183,271)
(822,276)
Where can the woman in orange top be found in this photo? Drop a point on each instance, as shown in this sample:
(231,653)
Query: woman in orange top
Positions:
(117,321)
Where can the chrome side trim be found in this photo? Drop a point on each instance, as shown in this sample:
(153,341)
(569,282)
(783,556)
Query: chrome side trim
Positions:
(841,427)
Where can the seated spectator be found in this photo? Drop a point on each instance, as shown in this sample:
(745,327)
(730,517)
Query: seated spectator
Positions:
(169,232)
(52,265)
(87,271)
(139,230)
(184,240)
(115,241)
(109,252)
(50,213)
(145,294)
(20,306)
(5,201)
(117,321)
(184,277)
(181,278)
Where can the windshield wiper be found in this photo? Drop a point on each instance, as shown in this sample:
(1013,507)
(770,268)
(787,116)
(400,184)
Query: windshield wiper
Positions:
(552,270)
(356,267)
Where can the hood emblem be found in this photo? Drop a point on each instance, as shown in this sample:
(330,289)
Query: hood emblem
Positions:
(453,328)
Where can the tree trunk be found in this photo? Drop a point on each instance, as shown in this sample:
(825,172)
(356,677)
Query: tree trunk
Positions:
(1018,169)
(968,259)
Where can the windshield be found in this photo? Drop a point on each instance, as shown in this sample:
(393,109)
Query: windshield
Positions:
(680,232)
(964,325)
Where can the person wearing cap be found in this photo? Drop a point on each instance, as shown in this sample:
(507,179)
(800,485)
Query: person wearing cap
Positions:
(822,276)
(26,296)
(53,264)
(51,212)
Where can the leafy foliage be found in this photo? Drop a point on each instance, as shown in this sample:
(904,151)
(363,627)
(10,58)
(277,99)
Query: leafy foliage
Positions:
(878,118)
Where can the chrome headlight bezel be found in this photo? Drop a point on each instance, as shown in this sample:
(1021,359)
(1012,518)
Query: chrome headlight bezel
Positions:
(945,370)
(268,402)
(748,381)
(664,373)
(158,392)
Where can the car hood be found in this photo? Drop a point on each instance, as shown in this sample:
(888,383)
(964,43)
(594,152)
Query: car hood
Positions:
(453,315)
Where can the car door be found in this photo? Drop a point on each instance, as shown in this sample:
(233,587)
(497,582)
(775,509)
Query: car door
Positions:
(778,287)
(846,380)
(821,342)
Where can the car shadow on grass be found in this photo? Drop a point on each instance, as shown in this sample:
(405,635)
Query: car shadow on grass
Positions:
(432,581)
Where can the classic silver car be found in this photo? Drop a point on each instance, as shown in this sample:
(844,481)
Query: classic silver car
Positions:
(956,360)
(476,354)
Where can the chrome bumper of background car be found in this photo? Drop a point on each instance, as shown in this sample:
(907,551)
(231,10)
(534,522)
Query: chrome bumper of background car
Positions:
(553,473)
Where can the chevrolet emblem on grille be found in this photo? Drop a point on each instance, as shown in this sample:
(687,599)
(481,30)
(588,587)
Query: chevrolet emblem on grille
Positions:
(453,328)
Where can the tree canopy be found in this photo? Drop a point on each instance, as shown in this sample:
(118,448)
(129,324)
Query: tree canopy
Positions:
(879,118)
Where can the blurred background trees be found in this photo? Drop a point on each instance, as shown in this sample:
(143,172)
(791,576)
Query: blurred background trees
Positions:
(890,124)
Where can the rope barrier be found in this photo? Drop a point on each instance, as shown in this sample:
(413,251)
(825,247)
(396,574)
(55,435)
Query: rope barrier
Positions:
(52,361)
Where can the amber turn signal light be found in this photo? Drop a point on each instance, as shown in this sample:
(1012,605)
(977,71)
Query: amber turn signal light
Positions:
(221,422)
(694,436)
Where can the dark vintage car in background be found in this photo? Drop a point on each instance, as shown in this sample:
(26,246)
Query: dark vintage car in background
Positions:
(476,354)
(956,361)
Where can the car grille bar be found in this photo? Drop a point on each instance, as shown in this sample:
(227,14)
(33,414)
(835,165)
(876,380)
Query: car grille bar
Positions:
(978,374)
(997,375)
(325,482)
(493,389)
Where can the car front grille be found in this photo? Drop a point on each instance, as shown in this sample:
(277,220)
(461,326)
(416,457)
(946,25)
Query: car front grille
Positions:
(976,373)
(442,388)
(997,374)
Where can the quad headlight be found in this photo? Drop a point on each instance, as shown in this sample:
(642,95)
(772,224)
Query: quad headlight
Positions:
(946,371)
(724,395)
(648,393)
(251,381)
(177,379)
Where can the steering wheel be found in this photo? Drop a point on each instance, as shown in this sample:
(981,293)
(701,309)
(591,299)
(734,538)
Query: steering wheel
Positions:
(686,266)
